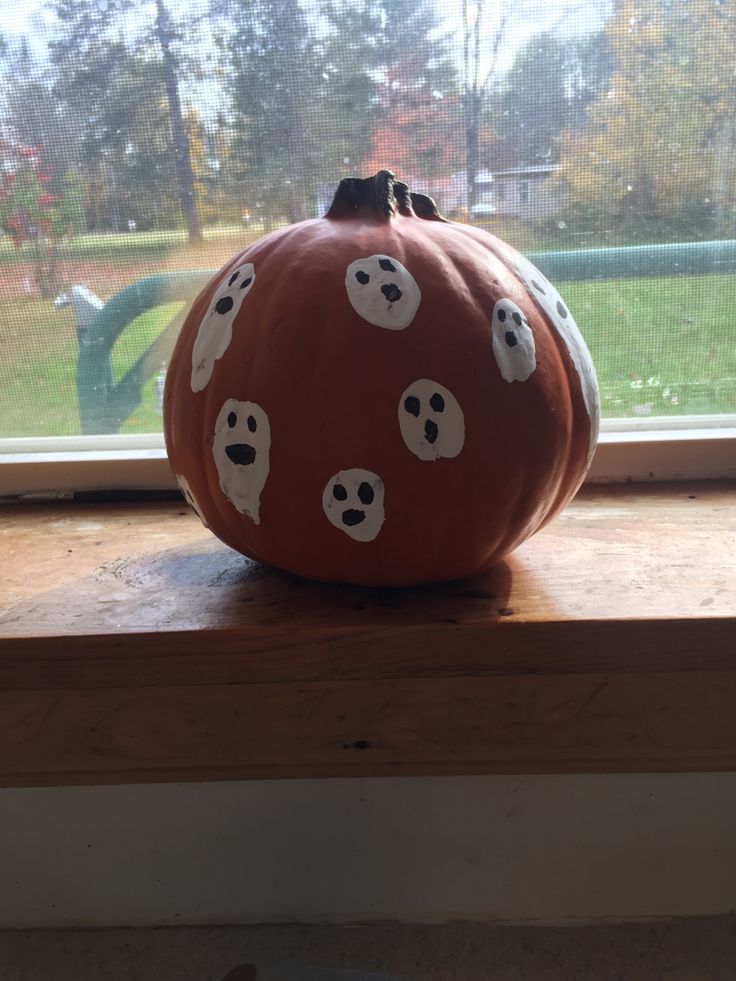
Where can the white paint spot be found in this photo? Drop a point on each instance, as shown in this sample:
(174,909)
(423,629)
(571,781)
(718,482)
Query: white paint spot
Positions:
(513,341)
(190,498)
(382,291)
(216,329)
(547,297)
(431,421)
(241,450)
(353,502)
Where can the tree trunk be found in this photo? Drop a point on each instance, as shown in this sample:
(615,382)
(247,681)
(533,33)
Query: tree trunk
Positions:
(472,123)
(182,156)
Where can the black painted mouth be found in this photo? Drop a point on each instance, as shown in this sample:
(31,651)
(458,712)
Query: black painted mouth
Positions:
(352,517)
(431,431)
(241,453)
(392,292)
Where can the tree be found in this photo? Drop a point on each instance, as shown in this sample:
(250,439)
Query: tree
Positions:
(38,206)
(417,140)
(483,31)
(276,85)
(405,52)
(658,144)
(535,103)
(32,114)
(124,94)
(165,35)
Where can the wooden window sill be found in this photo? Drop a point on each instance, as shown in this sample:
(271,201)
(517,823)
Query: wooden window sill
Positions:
(135,647)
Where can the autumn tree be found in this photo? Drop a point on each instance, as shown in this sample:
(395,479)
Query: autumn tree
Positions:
(398,58)
(40,206)
(658,143)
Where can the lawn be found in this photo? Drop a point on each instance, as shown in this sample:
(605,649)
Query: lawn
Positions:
(661,347)
(38,369)
(128,245)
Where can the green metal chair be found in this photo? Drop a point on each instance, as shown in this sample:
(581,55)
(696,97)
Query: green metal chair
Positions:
(104,405)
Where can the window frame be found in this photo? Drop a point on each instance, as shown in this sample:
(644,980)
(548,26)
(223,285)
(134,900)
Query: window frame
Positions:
(652,449)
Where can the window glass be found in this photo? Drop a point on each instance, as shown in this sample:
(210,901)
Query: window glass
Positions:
(144,142)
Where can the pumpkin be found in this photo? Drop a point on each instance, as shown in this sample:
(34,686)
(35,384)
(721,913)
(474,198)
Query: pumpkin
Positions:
(379,396)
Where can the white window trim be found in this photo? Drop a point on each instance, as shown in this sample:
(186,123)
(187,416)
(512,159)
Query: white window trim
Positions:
(651,449)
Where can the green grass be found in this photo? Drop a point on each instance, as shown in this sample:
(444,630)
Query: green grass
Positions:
(661,347)
(135,245)
(38,369)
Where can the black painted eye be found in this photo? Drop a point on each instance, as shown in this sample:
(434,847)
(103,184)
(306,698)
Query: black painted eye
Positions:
(232,420)
(502,314)
(233,278)
(224,305)
(365,493)
(536,286)
(412,406)
(437,402)
(246,283)
(517,318)
(339,493)
(431,431)
(252,423)
(561,309)
(387,265)
(392,292)
(362,277)
(511,339)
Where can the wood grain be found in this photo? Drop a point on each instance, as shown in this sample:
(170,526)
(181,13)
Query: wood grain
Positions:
(542,724)
(133,646)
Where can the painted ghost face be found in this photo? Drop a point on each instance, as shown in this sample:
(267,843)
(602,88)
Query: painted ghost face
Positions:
(431,421)
(382,291)
(216,330)
(241,450)
(547,297)
(353,502)
(189,497)
(513,342)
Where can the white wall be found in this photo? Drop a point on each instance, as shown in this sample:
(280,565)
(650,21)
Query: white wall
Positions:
(499,848)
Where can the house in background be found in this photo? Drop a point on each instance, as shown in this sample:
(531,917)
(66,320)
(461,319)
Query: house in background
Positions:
(526,193)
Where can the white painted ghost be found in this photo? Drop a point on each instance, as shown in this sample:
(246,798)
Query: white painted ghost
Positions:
(547,297)
(353,502)
(190,498)
(241,450)
(431,421)
(216,329)
(382,291)
(513,341)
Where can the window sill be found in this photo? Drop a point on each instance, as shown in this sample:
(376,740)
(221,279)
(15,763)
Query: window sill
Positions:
(135,647)
(662,448)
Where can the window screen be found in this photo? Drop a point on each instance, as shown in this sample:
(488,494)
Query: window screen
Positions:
(144,142)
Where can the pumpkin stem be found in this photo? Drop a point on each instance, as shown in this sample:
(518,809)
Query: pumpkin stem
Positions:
(382,194)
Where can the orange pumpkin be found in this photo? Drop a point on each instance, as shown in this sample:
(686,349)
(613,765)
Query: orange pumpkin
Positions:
(379,396)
